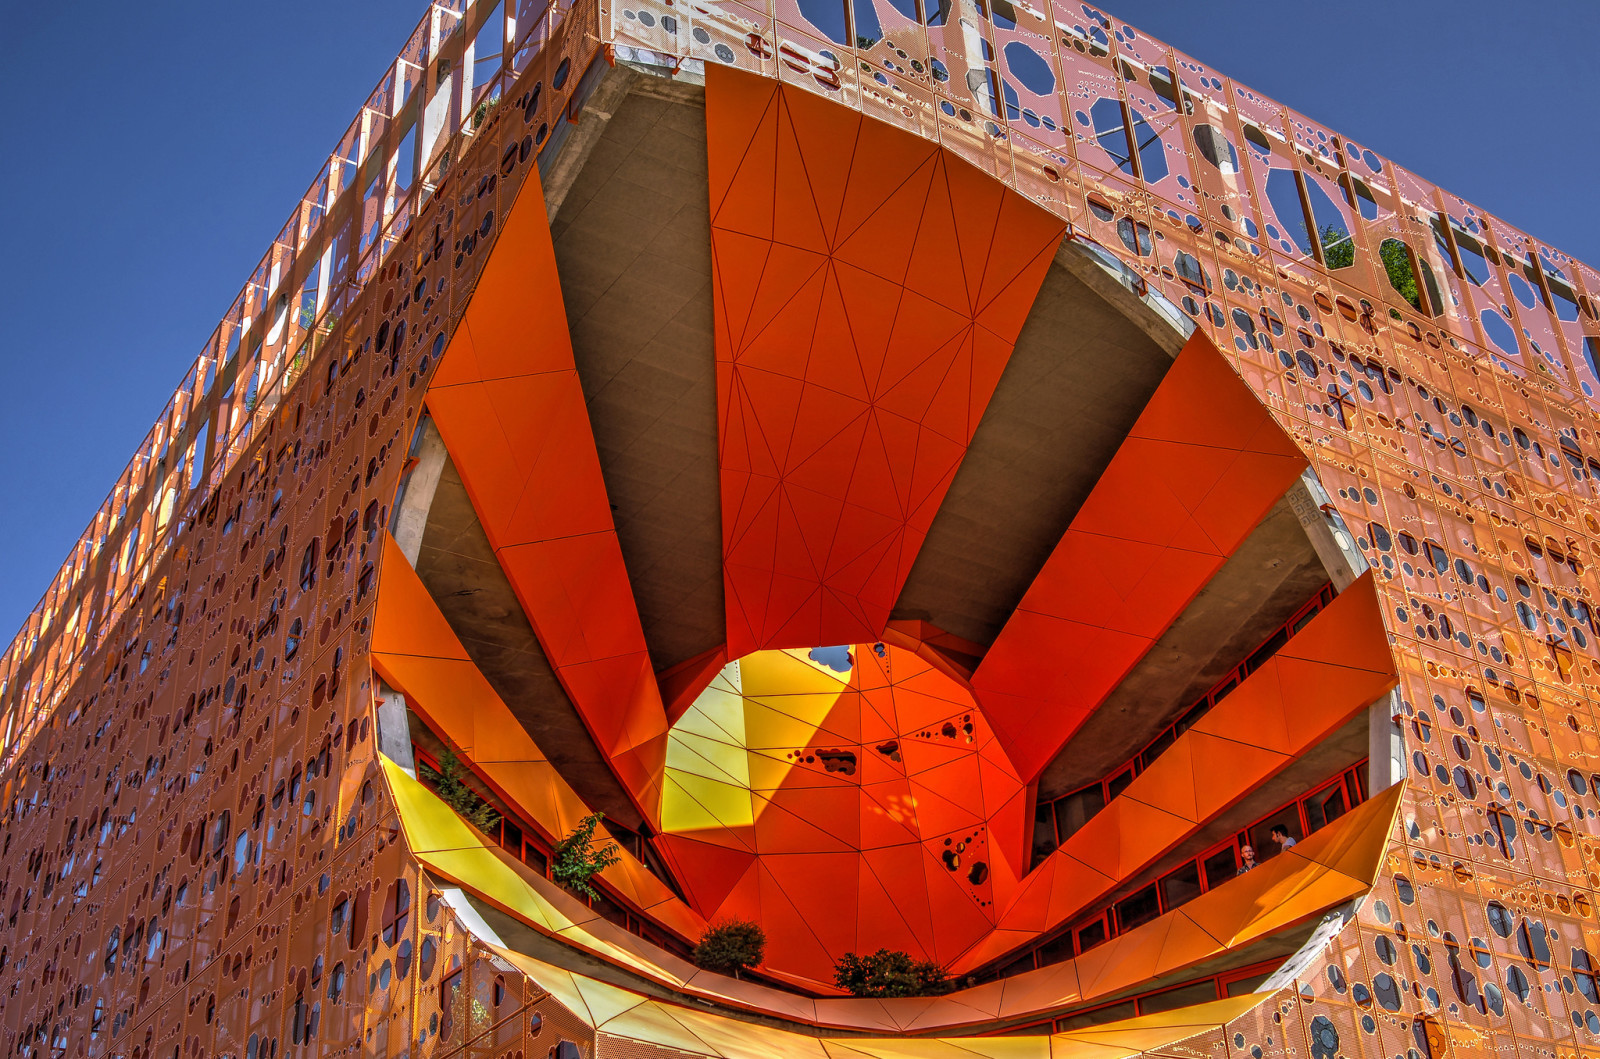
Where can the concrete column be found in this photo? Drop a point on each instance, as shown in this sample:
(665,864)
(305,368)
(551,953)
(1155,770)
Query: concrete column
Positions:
(411,518)
(1334,544)
(1386,747)
(394,729)
(1336,547)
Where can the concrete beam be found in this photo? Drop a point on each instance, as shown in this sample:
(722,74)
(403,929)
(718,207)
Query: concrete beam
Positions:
(1271,576)
(1080,374)
(633,243)
(411,516)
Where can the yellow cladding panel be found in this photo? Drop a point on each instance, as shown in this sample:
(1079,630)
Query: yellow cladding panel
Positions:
(770,700)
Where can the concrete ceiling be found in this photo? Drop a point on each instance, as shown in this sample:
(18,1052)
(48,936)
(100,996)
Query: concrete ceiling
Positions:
(1272,574)
(1081,373)
(461,573)
(633,243)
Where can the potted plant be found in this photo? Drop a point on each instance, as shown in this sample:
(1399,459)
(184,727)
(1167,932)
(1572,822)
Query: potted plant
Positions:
(730,946)
(886,973)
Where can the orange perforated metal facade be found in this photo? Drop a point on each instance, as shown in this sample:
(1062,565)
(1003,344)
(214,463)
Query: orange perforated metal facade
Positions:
(587,287)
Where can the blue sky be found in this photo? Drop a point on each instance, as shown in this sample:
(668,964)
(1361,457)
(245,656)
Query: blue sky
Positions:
(155,148)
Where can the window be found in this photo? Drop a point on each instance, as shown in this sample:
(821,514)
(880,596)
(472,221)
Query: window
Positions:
(1220,867)
(1134,236)
(1077,809)
(336,922)
(336,983)
(1180,997)
(1534,944)
(308,564)
(1044,831)
(1325,807)
(397,911)
(1583,976)
(1180,886)
(1137,909)
(1187,266)
(450,995)
(1504,828)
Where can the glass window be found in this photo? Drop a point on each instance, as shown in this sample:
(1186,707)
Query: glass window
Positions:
(1266,650)
(1137,909)
(1044,832)
(1056,950)
(1181,997)
(511,836)
(1017,966)
(1220,867)
(1159,744)
(1325,807)
(1241,986)
(1092,935)
(1261,834)
(1180,886)
(1357,782)
(1077,809)
(1111,1013)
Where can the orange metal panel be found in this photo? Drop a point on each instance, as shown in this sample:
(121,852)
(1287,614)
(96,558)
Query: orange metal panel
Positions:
(850,380)
(1425,415)
(1340,664)
(1202,465)
(417,653)
(509,405)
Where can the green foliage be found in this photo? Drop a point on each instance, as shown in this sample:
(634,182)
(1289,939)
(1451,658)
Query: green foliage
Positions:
(448,784)
(731,946)
(1339,251)
(886,973)
(1397,263)
(576,861)
(481,114)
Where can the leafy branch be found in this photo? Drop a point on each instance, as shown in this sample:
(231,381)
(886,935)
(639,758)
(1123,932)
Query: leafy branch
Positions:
(448,784)
(576,860)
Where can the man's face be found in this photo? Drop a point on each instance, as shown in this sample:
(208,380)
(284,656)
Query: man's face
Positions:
(1249,854)
(1279,837)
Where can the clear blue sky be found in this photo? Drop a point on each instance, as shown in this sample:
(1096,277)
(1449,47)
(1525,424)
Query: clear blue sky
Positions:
(153,149)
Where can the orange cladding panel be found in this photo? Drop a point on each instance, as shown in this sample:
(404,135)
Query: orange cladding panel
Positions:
(869,290)
(508,402)
(1201,467)
(1336,665)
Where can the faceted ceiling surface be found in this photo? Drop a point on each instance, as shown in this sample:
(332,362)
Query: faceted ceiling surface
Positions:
(212,848)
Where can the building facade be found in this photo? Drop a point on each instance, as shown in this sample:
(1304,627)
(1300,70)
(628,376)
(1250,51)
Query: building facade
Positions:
(968,481)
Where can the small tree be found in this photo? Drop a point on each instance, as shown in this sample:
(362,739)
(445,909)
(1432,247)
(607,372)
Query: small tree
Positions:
(576,861)
(452,790)
(886,973)
(731,946)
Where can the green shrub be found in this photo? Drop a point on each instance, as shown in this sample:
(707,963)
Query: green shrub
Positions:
(447,783)
(731,946)
(886,973)
(576,861)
